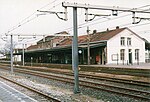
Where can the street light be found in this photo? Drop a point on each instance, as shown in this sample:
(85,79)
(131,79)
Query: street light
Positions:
(80,51)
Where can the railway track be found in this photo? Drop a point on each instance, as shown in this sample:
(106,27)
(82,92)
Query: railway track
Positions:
(92,76)
(96,77)
(133,93)
(110,70)
(117,80)
(50,98)
(109,88)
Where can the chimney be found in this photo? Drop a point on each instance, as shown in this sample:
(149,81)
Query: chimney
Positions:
(94,31)
(117,27)
(107,30)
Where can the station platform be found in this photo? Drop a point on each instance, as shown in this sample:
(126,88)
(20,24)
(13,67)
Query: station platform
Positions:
(136,66)
(9,94)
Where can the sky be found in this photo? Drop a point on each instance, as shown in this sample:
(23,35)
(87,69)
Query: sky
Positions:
(20,17)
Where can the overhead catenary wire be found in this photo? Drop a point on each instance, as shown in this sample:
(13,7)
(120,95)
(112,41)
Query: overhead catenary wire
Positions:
(129,25)
(39,8)
(120,13)
(25,20)
(22,22)
(51,8)
(80,25)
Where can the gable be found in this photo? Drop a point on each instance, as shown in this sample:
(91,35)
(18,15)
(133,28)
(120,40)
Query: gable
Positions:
(105,35)
(126,33)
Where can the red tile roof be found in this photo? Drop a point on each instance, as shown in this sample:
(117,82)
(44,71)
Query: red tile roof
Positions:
(106,35)
(66,41)
(99,36)
(32,47)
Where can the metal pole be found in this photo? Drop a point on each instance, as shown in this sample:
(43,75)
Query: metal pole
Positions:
(23,55)
(88,46)
(88,38)
(11,52)
(75,52)
(83,55)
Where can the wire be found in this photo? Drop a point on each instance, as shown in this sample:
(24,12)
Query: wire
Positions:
(139,25)
(80,25)
(89,23)
(22,22)
(127,25)
(117,17)
(39,8)
(33,17)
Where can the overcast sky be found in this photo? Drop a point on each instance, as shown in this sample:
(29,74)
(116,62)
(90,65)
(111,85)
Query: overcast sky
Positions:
(20,16)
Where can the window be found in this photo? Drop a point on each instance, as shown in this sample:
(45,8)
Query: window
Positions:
(122,54)
(122,41)
(146,55)
(128,41)
(136,54)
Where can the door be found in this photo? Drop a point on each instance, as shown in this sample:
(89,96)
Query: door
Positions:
(130,56)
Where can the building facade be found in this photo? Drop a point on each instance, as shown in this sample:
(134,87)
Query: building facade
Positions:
(126,48)
(118,46)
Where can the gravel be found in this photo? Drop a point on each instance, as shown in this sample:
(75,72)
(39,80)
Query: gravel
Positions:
(64,91)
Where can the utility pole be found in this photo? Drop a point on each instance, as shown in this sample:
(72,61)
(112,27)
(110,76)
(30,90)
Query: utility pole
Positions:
(88,37)
(11,52)
(74,44)
(23,55)
(75,52)
(75,6)
(23,45)
(88,46)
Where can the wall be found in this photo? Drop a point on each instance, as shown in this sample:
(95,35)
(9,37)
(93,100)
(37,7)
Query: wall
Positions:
(114,46)
(51,42)
(17,58)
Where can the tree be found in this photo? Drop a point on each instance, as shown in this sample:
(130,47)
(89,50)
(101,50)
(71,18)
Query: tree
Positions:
(5,51)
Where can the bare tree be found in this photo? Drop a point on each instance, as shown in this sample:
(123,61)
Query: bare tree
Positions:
(5,51)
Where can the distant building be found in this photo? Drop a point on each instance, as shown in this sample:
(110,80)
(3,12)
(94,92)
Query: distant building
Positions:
(118,46)
(17,58)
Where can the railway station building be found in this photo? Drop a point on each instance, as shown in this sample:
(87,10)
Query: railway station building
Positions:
(117,46)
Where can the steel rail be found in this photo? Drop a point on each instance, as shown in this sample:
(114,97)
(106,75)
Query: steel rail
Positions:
(88,84)
(92,85)
(31,89)
(91,76)
(96,77)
